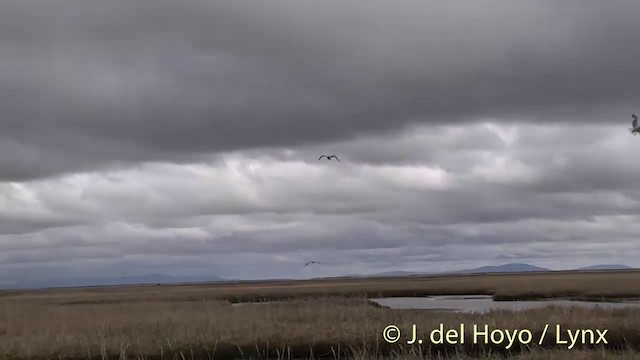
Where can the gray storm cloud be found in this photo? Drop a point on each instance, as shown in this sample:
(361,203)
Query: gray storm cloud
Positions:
(88,84)
(429,215)
(157,136)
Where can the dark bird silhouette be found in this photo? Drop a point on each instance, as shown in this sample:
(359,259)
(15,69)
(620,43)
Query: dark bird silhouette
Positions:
(329,157)
(311,262)
(635,129)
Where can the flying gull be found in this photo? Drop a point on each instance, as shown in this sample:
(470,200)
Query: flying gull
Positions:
(329,157)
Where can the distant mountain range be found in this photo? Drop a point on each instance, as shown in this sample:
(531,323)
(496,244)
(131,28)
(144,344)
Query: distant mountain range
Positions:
(512,267)
(506,268)
(164,279)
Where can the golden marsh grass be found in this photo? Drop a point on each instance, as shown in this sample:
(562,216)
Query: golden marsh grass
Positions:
(318,321)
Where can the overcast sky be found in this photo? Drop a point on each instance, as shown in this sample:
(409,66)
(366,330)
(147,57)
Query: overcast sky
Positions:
(182,137)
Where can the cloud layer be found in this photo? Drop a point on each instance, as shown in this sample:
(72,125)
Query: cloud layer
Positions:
(183,137)
(88,83)
(513,200)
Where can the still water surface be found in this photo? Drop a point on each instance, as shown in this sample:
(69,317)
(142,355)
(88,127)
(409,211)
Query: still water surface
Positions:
(482,304)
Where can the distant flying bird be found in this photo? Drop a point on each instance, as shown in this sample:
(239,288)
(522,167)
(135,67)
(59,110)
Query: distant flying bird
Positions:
(311,262)
(635,130)
(329,157)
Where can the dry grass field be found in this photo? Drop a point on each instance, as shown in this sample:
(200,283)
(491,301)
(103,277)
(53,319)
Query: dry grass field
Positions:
(328,318)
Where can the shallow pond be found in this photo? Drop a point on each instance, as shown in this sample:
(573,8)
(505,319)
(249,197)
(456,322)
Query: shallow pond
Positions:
(482,304)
